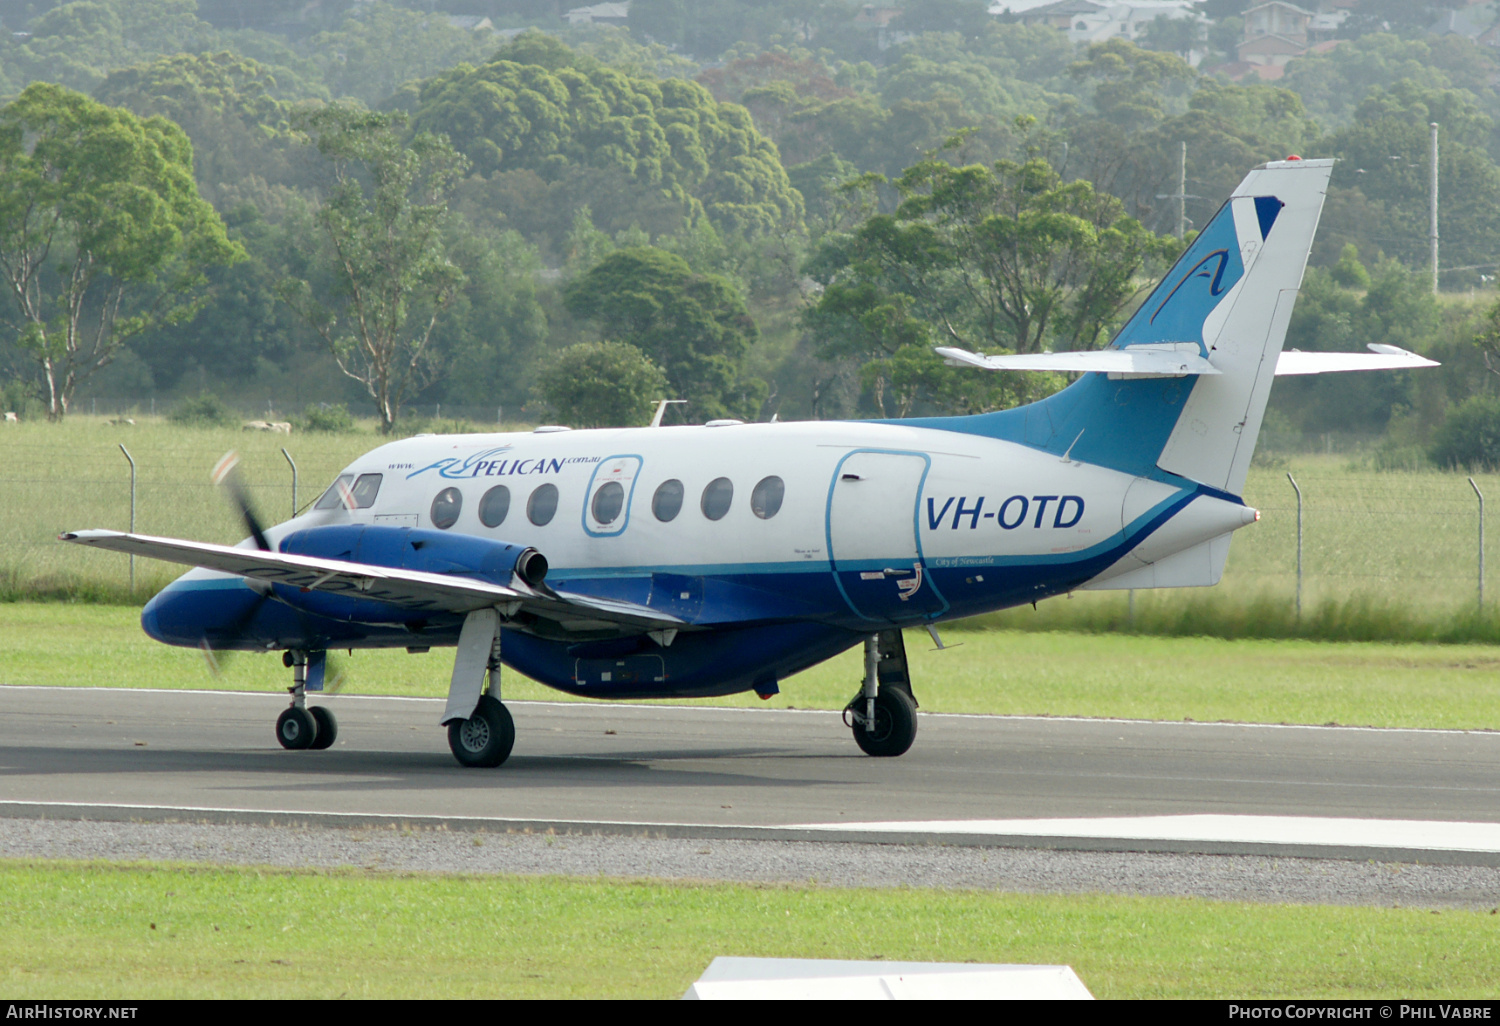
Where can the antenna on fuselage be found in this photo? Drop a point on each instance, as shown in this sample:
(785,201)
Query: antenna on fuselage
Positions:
(661,408)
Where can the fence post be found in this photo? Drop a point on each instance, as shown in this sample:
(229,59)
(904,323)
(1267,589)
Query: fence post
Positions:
(1481,542)
(1293,480)
(294,479)
(132,511)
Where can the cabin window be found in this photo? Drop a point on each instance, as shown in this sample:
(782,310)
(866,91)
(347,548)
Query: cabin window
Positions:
(494,506)
(366,487)
(765,501)
(446,507)
(667,502)
(716,498)
(542,506)
(330,499)
(608,501)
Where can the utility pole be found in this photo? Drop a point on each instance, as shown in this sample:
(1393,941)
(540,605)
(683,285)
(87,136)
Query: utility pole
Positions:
(1181,195)
(1434,207)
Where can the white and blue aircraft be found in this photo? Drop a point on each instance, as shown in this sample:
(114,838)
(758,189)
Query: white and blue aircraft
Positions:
(716,559)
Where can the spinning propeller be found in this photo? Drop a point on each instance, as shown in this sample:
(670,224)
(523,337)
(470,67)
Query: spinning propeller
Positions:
(226,474)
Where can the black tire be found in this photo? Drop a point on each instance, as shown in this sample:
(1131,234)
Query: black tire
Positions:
(895,724)
(328,727)
(485,738)
(296,729)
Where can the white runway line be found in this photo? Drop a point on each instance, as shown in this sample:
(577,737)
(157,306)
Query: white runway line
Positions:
(1430,835)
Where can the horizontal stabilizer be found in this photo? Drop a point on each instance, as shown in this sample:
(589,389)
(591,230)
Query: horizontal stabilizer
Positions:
(1169,359)
(1380,357)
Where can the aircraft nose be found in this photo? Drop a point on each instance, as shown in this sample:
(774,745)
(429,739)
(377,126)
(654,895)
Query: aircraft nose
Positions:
(187,611)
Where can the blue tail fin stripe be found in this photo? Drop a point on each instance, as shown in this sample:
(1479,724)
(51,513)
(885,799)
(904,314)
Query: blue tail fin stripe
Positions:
(1266,210)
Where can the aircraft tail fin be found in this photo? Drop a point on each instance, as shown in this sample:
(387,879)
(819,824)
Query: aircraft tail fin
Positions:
(1182,388)
(1257,249)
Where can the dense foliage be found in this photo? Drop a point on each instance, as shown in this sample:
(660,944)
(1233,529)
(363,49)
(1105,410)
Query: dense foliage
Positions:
(781,204)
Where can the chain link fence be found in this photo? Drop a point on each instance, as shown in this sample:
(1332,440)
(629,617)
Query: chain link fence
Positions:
(1406,538)
(1411,538)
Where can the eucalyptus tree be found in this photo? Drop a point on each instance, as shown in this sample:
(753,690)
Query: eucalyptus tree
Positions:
(385,269)
(103,234)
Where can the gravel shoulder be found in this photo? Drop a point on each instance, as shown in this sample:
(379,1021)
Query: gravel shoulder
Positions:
(832,864)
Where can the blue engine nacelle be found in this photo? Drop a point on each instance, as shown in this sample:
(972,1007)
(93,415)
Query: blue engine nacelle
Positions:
(405,548)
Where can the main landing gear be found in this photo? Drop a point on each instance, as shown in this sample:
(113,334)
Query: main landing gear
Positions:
(480,729)
(883,715)
(301,725)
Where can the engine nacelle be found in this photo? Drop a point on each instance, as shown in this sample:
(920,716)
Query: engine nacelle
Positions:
(406,548)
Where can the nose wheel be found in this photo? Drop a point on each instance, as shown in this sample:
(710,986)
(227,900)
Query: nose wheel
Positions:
(296,729)
(302,726)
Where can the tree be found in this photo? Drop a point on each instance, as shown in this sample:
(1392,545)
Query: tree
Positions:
(380,48)
(587,130)
(694,326)
(1470,437)
(1386,159)
(236,112)
(1174,35)
(384,220)
(102,231)
(1005,258)
(602,384)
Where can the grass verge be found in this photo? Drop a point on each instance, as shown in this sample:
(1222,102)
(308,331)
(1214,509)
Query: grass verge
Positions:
(1002,672)
(92,930)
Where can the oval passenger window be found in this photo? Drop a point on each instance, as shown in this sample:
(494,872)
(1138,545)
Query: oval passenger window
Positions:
(542,506)
(608,501)
(716,498)
(765,501)
(667,502)
(494,506)
(445,508)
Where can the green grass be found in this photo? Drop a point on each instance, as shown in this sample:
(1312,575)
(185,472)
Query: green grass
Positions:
(1009,672)
(81,930)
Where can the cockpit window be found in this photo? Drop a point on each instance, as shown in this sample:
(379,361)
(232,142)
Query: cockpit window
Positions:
(361,492)
(331,498)
(366,487)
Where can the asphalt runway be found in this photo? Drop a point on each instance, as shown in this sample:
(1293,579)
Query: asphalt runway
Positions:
(699,772)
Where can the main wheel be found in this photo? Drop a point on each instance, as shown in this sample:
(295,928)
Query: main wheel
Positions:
(296,728)
(486,737)
(895,724)
(328,727)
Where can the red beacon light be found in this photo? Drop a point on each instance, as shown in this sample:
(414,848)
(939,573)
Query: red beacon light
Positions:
(1293,156)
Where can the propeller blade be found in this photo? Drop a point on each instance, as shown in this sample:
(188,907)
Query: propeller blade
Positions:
(226,473)
(214,659)
(335,675)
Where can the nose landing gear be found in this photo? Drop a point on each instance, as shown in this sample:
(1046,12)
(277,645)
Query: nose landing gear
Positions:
(302,726)
(883,716)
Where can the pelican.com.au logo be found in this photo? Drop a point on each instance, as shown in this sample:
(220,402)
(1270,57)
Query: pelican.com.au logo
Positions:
(499,462)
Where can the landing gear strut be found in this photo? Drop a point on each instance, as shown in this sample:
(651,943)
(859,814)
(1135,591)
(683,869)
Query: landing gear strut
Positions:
(302,726)
(883,716)
(480,729)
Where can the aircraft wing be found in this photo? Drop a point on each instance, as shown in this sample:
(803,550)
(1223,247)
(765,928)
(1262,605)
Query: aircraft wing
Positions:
(409,589)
